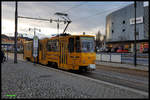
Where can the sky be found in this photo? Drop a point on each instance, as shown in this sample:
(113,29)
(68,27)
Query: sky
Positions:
(88,17)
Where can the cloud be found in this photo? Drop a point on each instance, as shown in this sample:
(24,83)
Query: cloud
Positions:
(86,17)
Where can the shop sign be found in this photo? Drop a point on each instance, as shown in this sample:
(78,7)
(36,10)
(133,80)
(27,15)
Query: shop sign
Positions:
(138,20)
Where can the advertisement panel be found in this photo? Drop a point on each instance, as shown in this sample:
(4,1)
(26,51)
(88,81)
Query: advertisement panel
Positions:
(138,20)
(35,46)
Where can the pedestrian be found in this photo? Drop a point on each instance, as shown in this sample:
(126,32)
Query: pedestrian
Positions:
(2,56)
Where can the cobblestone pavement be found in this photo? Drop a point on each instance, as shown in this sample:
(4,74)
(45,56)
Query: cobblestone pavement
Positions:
(28,81)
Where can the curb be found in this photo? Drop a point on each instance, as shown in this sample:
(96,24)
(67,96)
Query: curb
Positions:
(98,81)
(132,68)
(94,80)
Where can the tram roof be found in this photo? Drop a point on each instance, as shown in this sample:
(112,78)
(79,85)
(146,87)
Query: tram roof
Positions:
(55,37)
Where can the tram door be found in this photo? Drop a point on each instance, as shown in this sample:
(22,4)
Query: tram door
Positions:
(63,53)
(43,51)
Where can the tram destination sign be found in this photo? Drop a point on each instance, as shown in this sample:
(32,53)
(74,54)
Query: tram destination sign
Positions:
(35,46)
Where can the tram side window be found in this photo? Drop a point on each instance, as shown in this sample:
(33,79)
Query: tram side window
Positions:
(49,45)
(71,45)
(40,48)
(29,46)
(78,44)
(52,45)
(25,47)
(56,45)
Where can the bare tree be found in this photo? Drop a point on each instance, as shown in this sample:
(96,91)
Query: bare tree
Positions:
(98,39)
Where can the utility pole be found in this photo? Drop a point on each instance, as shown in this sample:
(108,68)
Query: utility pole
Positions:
(135,35)
(16,22)
(58,26)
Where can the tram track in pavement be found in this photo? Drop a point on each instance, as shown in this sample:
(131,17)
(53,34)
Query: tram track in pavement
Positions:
(134,84)
(138,85)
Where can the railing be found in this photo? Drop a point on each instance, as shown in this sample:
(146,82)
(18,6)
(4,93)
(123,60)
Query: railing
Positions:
(142,59)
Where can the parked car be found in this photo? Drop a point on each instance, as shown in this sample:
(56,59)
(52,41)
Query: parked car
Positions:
(108,49)
(122,50)
(114,49)
(104,49)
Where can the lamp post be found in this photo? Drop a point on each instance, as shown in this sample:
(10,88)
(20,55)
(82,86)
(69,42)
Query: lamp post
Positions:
(135,35)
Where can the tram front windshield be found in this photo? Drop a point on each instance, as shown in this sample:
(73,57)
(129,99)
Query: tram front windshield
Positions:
(87,44)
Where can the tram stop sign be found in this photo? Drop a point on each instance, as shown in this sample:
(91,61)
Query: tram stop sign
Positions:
(35,46)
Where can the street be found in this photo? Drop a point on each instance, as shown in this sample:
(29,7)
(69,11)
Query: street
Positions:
(26,80)
(126,77)
(140,60)
(129,78)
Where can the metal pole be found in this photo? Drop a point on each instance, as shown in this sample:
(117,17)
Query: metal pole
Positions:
(33,44)
(58,40)
(7,52)
(66,27)
(58,26)
(15,45)
(135,35)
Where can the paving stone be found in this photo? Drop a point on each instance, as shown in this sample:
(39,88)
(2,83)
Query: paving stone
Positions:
(28,81)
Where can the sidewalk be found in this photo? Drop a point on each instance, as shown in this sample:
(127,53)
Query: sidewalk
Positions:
(28,81)
(119,65)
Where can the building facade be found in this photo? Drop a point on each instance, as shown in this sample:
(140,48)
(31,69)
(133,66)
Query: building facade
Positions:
(120,26)
(8,43)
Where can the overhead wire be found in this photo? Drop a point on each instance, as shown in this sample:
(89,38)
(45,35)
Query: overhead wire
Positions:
(87,17)
(92,15)
(106,11)
(70,29)
(75,7)
(98,13)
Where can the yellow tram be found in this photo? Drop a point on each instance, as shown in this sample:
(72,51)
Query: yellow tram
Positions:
(69,52)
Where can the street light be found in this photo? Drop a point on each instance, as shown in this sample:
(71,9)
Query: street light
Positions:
(135,35)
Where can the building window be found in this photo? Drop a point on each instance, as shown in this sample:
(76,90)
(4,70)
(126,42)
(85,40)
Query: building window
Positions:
(123,30)
(112,31)
(123,22)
